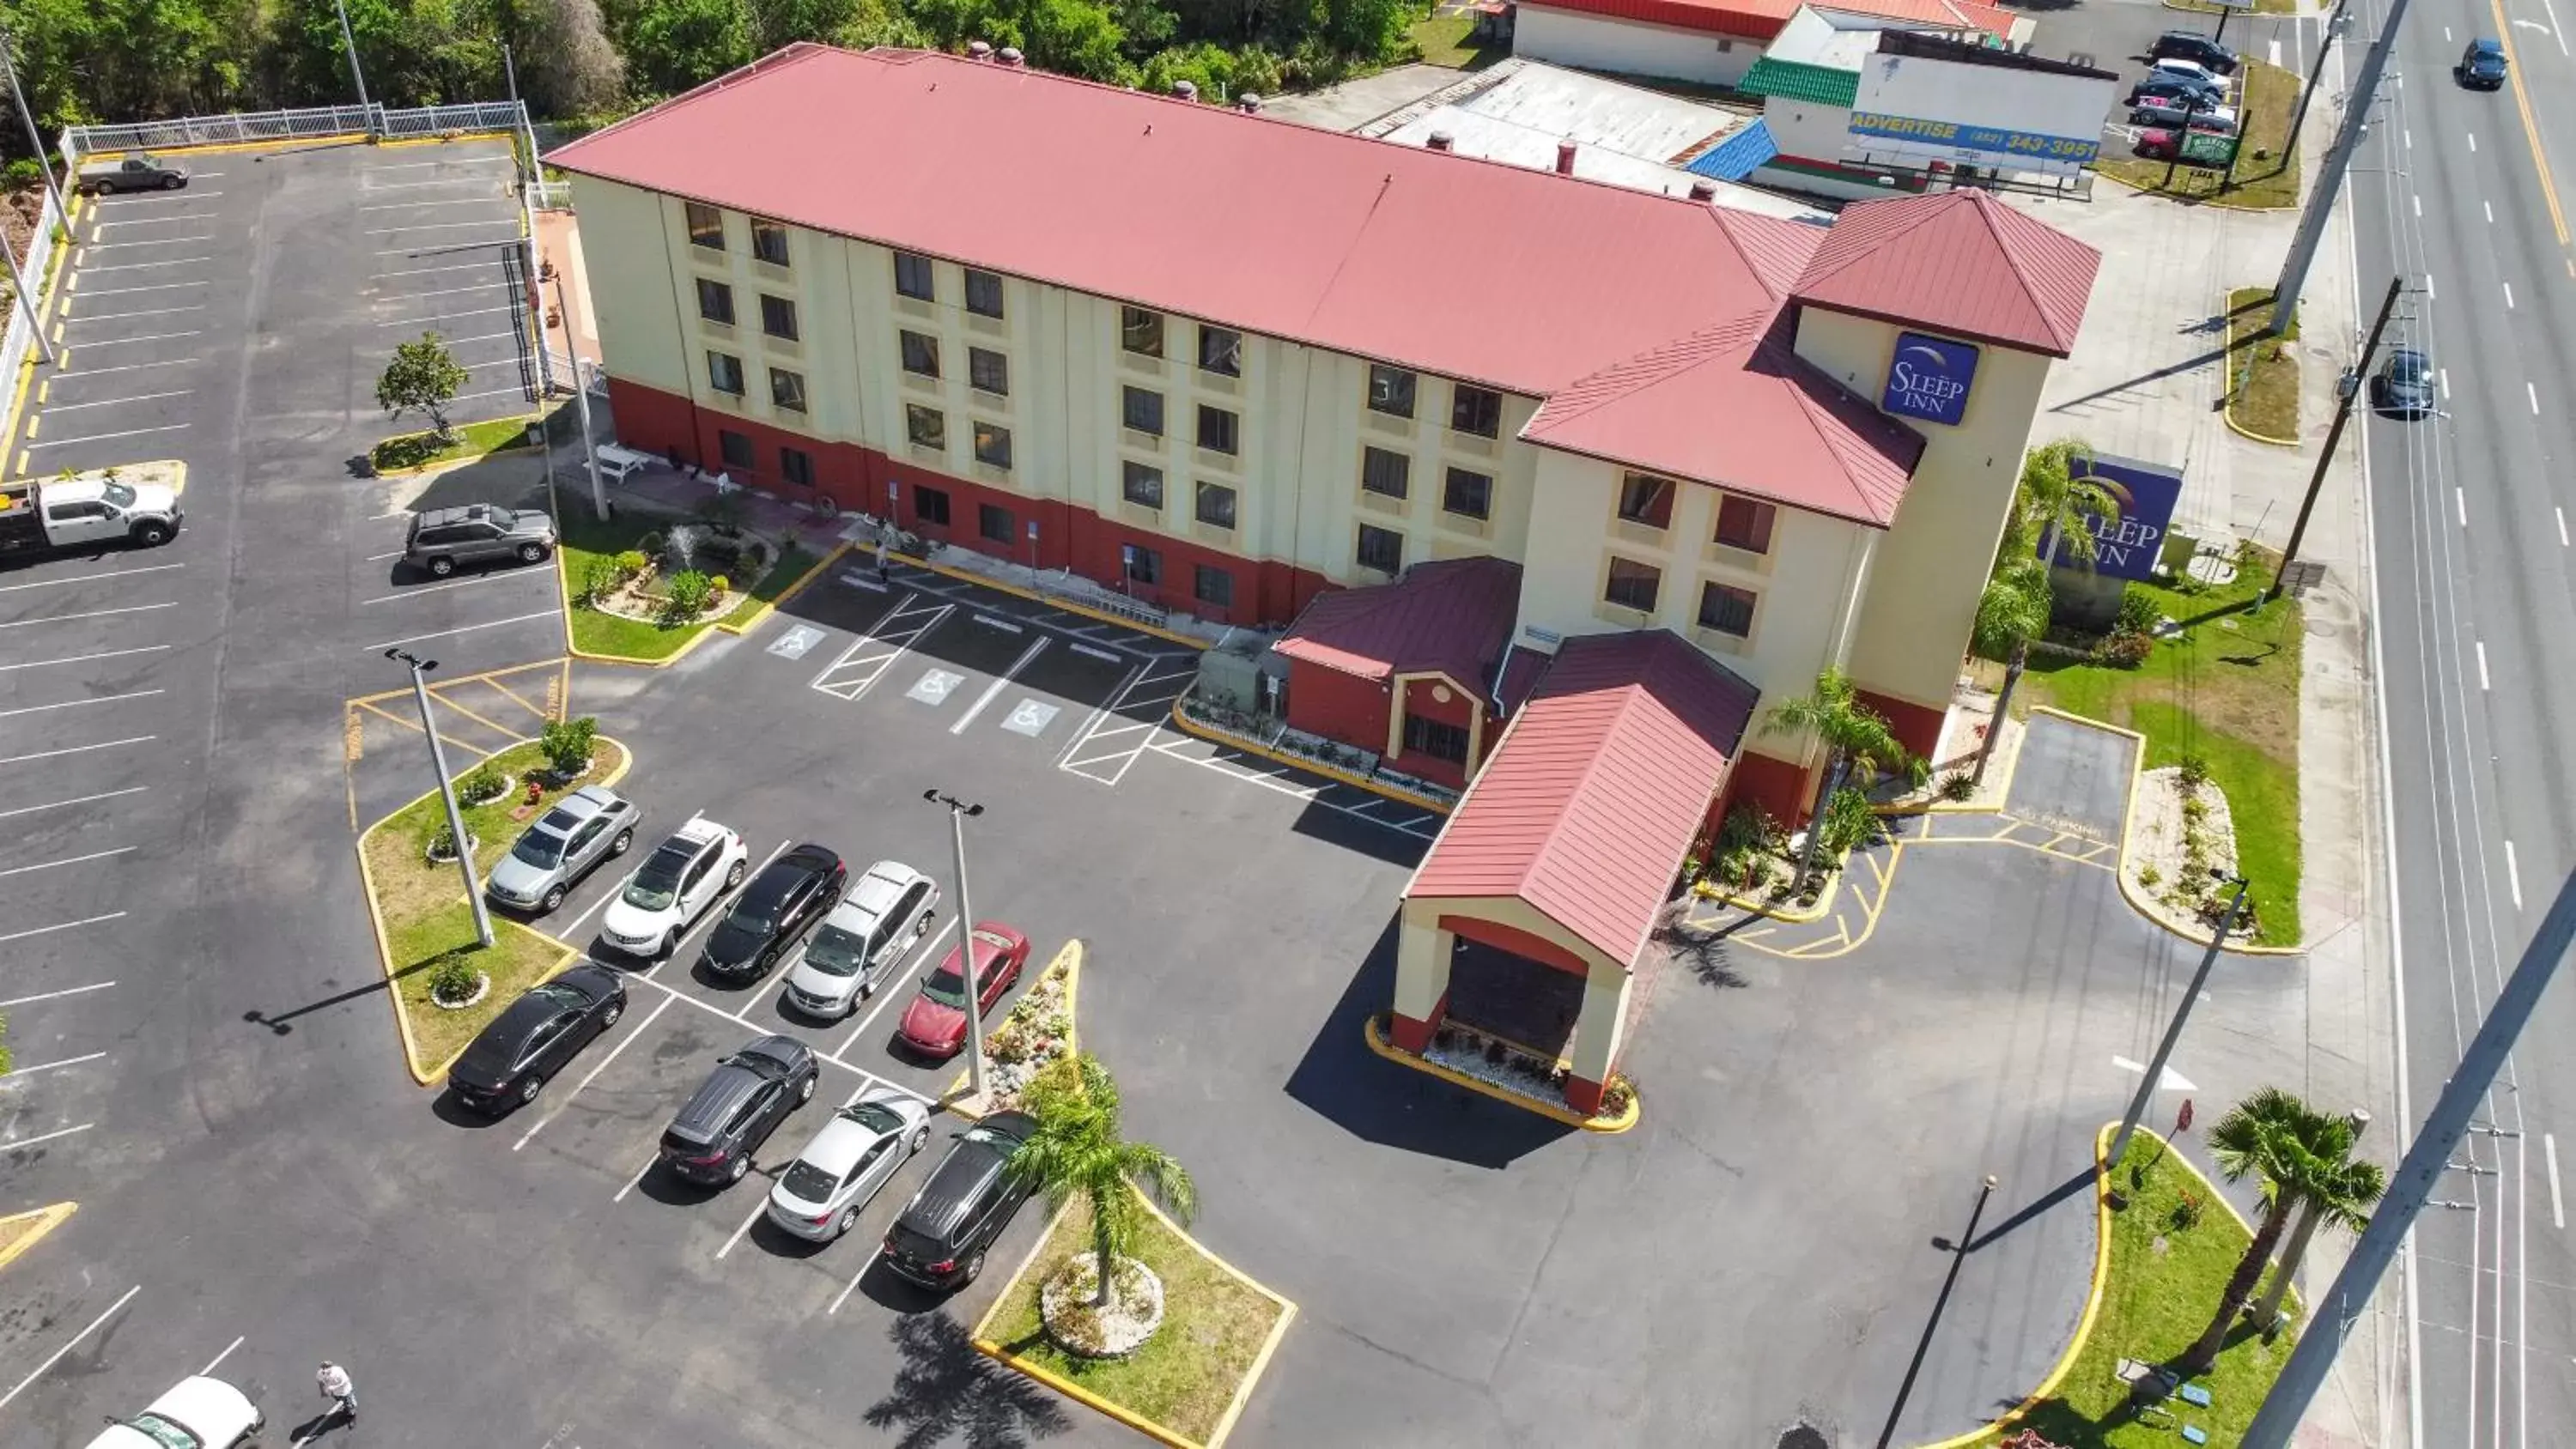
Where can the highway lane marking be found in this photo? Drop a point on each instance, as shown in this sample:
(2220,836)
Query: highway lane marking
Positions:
(2534,393)
(2473,142)
(2557,1204)
(2554,32)
(2419,206)
(2562,527)
(57,1355)
(2482,666)
(2513,875)
(2460,500)
(2508,296)
(56,995)
(2530,128)
(2276,50)
(2490,210)
(2444,374)
(2430,295)
(74,704)
(218,1360)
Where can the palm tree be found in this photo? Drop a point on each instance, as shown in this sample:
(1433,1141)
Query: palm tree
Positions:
(2049,503)
(1857,741)
(1079,1152)
(2298,1153)
(2012,612)
(2339,1193)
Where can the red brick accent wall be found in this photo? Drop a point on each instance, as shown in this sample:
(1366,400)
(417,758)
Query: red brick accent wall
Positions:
(1337,706)
(1770,782)
(1461,710)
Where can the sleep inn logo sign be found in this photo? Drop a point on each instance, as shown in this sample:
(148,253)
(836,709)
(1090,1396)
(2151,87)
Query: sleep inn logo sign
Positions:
(1928,379)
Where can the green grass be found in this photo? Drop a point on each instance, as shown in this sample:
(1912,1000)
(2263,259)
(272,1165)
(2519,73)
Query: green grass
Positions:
(1444,40)
(586,538)
(1213,1327)
(467,441)
(793,564)
(2228,691)
(2267,166)
(2262,372)
(2165,1283)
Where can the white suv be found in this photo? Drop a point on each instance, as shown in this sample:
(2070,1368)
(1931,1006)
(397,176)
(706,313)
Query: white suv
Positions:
(886,911)
(681,878)
(198,1413)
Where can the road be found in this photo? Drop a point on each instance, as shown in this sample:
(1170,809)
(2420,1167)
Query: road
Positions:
(2470,539)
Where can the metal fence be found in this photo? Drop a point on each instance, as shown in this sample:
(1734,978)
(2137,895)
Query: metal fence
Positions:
(312,123)
(44,254)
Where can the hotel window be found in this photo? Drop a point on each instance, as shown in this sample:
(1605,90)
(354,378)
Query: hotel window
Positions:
(1140,331)
(1220,351)
(1726,609)
(1143,565)
(1469,494)
(1381,549)
(1213,586)
(1143,410)
(927,427)
(1143,485)
(1431,737)
(914,278)
(769,242)
(988,371)
(796,466)
(983,293)
(1385,473)
(1216,505)
(1646,500)
(1633,585)
(993,523)
(921,354)
(993,445)
(1390,391)
(787,389)
(930,505)
(778,316)
(724,372)
(1475,410)
(706,227)
(733,448)
(715,301)
(1745,523)
(1217,429)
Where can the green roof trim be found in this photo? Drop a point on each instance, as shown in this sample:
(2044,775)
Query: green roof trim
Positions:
(1797,81)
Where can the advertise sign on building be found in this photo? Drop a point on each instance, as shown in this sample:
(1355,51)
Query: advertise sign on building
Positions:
(2126,546)
(1928,379)
(1921,98)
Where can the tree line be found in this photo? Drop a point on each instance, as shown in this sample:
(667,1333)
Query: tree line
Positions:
(584,61)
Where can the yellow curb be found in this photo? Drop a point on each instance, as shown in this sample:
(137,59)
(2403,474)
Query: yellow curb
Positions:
(1377,1042)
(1356,781)
(1069,956)
(50,1218)
(2242,431)
(791,591)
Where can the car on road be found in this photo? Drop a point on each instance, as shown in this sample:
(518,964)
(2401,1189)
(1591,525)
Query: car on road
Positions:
(2403,386)
(940,1238)
(2193,46)
(789,895)
(867,934)
(2482,66)
(197,1413)
(137,172)
(85,513)
(442,540)
(683,876)
(592,824)
(536,1036)
(934,1025)
(2170,114)
(736,1108)
(820,1195)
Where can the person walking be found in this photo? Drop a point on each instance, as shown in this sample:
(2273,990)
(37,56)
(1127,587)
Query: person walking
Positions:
(337,1387)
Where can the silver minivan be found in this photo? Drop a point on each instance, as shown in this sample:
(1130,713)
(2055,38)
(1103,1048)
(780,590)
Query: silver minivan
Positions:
(886,910)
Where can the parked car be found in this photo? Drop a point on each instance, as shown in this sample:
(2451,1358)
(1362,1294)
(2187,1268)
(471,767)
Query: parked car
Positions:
(2178,91)
(2153,111)
(789,895)
(736,1108)
(2190,70)
(137,172)
(934,1025)
(536,1036)
(862,940)
(940,1238)
(2482,66)
(197,1413)
(443,539)
(821,1193)
(566,843)
(676,884)
(2191,45)
(85,513)
(2403,386)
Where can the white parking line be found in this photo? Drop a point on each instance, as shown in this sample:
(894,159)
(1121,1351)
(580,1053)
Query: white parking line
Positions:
(49,409)
(483,337)
(57,1355)
(1124,757)
(91,578)
(146,266)
(73,860)
(496,392)
(738,1019)
(75,750)
(506,576)
(381,557)
(482,266)
(90,614)
(77,799)
(108,437)
(511,222)
(757,1208)
(87,343)
(49,1066)
(565,1104)
(65,926)
(442,161)
(638,1177)
(1313,795)
(2557,1203)
(218,1360)
(452,316)
(167,241)
(466,629)
(126,367)
(149,287)
(439,248)
(1036,647)
(75,704)
(902,975)
(176,216)
(451,201)
(16,1143)
(85,658)
(419,185)
(55,995)
(866,672)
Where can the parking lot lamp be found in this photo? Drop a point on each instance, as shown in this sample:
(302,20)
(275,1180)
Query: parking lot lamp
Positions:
(958,813)
(349,38)
(35,138)
(446,790)
(580,396)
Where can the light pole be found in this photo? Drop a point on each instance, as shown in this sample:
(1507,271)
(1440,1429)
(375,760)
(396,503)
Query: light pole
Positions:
(580,394)
(35,138)
(959,812)
(1949,1280)
(446,791)
(2173,1030)
(349,38)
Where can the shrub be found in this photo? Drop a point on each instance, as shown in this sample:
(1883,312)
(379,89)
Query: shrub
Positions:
(21,174)
(687,596)
(2150,877)
(567,744)
(1617,1093)
(2124,649)
(2139,611)
(1958,785)
(442,841)
(2192,772)
(453,977)
(2195,809)
(1849,822)
(652,544)
(599,578)
(481,786)
(630,563)
(719,585)
(2186,1211)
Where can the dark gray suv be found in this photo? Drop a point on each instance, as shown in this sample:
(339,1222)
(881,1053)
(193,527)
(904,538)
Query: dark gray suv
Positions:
(741,1102)
(442,539)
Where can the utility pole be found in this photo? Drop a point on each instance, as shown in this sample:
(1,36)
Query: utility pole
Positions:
(580,393)
(446,790)
(2412,1186)
(2334,434)
(349,38)
(2312,223)
(1958,1255)
(36,140)
(2317,69)
(2173,1030)
(959,812)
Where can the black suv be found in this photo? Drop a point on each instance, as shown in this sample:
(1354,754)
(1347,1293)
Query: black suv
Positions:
(736,1108)
(535,1036)
(2191,45)
(939,1240)
(789,895)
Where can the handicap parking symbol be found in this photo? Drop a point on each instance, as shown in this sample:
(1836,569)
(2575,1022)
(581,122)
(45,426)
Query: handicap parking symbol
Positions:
(935,686)
(1030,717)
(794,643)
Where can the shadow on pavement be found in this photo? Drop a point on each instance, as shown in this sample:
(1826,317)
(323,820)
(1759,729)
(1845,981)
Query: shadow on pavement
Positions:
(1356,833)
(946,1392)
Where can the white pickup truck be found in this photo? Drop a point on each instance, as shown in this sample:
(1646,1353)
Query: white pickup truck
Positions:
(85,513)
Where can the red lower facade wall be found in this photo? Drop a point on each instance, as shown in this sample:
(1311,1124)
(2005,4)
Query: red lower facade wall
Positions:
(1337,706)
(1165,571)
(1917,727)
(1775,784)
(1415,1036)
(1461,709)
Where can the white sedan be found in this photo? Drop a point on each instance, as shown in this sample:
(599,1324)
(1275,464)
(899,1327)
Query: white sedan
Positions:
(676,884)
(200,1413)
(820,1194)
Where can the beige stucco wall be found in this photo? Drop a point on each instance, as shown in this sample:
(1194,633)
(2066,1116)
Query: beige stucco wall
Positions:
(627,264)
(1631,47)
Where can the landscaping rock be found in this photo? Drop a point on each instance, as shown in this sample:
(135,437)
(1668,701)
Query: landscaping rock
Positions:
(1117,1330)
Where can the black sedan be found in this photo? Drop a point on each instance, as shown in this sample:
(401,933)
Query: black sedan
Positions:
(2403,386)
(535,1036)
(784,901)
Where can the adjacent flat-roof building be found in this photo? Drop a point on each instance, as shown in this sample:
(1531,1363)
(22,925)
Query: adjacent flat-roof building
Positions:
(1713,42)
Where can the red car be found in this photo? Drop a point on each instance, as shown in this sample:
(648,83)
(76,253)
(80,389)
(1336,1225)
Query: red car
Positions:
(934,1025)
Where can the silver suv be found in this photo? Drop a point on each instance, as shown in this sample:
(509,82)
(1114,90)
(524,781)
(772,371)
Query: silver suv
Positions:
(883,915)
(586,827)
(442,538)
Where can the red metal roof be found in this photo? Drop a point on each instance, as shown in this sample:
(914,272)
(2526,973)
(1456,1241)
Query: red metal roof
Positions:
(1762,19)
(1959,262)
(1598,788)
(1453,616)
(1817,447)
